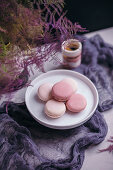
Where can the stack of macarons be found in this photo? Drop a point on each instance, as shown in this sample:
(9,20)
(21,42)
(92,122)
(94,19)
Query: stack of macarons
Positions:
(61,96)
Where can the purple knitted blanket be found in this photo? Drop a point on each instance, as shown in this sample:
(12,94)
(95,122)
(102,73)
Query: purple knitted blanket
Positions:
(27,145)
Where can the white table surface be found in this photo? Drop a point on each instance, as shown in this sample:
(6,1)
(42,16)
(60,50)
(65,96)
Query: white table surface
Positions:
(93,159)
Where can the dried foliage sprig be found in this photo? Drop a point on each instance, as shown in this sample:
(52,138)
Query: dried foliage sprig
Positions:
(110,147)
(29,36)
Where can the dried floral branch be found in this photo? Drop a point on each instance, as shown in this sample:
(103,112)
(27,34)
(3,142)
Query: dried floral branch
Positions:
(2,30)
(110,147)
(29,36)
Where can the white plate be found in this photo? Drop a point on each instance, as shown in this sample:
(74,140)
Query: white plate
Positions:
(68,120)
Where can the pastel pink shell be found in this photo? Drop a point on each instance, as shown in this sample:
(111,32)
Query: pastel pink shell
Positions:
(54,109)
(62,91)
(76,103)
(44,91)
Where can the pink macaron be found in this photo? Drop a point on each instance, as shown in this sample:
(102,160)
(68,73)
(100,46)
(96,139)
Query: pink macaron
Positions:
(62,91)
(72,82)
(76,103)
(44,91)
(54,109)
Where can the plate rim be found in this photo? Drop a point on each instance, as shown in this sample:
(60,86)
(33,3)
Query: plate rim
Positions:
(68,126)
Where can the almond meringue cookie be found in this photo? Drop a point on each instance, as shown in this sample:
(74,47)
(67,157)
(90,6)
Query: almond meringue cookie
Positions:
(62,91)
(44,91)
(72,82)
(76,103)
(54,109)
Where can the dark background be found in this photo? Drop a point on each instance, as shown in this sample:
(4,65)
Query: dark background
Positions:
(90,14)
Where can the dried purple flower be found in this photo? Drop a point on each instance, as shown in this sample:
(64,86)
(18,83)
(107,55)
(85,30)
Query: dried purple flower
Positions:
(29,37)
(110,147)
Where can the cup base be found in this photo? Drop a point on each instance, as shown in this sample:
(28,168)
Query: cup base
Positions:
(72,64)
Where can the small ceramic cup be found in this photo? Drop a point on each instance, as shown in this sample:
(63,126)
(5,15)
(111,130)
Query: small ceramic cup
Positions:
(71,51)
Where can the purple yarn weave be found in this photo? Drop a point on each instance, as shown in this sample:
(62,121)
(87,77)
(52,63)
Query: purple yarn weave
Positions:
(48,149)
